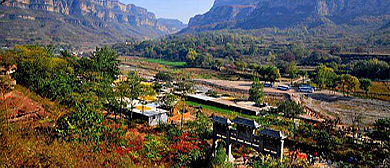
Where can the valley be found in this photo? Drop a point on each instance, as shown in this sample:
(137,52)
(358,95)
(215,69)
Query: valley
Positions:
(246,83)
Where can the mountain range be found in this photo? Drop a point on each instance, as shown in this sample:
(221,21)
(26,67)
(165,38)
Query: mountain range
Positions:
(79,22)
(354,15)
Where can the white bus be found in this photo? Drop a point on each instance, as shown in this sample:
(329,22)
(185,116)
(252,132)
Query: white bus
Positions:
(306,89)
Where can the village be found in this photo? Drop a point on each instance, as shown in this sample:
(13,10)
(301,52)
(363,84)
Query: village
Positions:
(281,128)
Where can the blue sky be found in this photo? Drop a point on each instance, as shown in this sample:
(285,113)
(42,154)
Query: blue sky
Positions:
(175,9)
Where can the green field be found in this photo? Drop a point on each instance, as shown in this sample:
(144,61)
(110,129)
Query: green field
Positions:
(165,62)
(230,113)
(211,108)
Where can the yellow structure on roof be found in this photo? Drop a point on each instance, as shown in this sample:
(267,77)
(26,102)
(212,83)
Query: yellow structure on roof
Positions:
(228,98)
(147,98)
(146,83)
(143,108)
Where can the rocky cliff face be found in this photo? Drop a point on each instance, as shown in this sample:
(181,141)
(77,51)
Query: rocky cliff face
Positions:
(254,14)
(110,20)
(104,10)
(173,25)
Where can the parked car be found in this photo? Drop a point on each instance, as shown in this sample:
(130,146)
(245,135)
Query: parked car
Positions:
(268,85)
(283,88)
(306,89)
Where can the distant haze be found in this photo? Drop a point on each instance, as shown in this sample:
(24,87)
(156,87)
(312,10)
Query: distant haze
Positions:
(174,9)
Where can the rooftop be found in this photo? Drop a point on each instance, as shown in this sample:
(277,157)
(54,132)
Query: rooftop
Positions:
(245,122)
(202,97)
(151,109)
(224,121)
(272,133)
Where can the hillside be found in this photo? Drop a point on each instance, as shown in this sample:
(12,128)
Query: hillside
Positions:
(173,25)
(77,22)
(357,16)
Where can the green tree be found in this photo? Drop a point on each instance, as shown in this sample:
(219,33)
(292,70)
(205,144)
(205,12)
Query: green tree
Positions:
(292,71)
(134,82)
(372,69)
(83,124)
(271,57)
(184,87)
(324,140)
(324,76)
(303,74)
(163,76)
(5,86)
(191,57)
(104,61)
(145,92)
(290,109)
(365,84)
(334,49)
(381,133)
(241,65)
(256,92)
(348,83)
(168,101)
(121,91)
(268,73)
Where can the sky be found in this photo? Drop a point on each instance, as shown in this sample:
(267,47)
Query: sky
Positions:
(174,9)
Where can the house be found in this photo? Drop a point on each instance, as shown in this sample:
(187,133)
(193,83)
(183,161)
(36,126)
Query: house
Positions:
(150,113)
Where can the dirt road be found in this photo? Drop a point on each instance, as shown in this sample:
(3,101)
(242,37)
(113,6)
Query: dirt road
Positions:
(328,104)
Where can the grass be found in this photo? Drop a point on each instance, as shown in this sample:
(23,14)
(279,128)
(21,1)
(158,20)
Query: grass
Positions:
(211,108)
(165,62)
(377,88)
(230,114)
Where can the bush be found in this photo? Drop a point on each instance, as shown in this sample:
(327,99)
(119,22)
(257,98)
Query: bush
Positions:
(219,160)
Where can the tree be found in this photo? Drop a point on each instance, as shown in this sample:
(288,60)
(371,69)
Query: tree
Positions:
(334,49)
(381,133)
(292,71)
(134,83)
(256,92)
(348,83)
(372,69)
(290,109)
(5,85)
(356,121)
(145,92)
(241,65)
(168,101)
(271,57)
(191,57)
(324,140)
(121,90)
(324,76)
(303,74)
(183,88)
(382,130)
(104,61)
(163,76)
(268,73)
(315,56)
(365,84)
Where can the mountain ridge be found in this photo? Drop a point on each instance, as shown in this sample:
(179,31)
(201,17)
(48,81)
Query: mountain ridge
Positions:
(96,21)
(257,14)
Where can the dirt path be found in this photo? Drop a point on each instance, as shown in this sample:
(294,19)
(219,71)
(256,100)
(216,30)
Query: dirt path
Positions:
(347,108)
(324,102)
